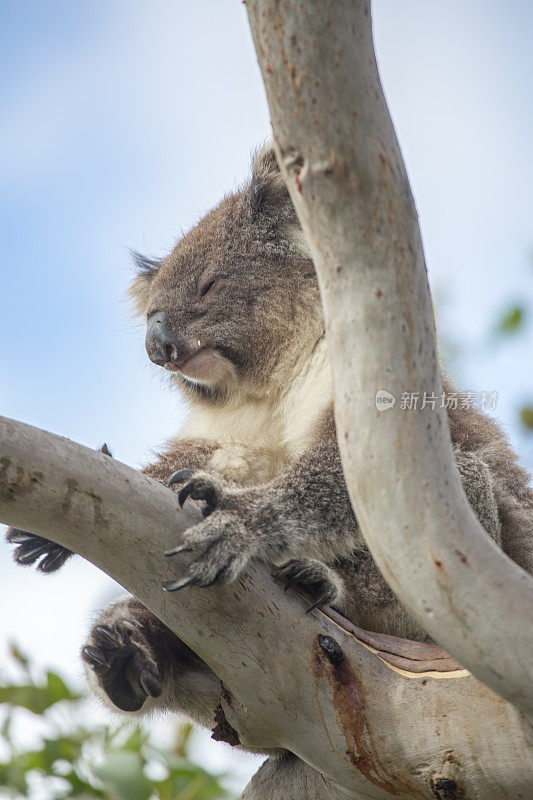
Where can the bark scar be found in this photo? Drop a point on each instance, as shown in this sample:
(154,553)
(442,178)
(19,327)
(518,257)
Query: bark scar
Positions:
(329,662)
(223,731)
(22,483)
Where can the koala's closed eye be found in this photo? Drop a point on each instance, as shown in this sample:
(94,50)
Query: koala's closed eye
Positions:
(207,286)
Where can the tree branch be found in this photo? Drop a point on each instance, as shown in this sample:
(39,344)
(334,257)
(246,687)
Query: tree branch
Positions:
(292,680)
(339,154)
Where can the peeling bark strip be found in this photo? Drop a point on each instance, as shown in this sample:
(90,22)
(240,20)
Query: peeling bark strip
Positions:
(410,659)
(339,155)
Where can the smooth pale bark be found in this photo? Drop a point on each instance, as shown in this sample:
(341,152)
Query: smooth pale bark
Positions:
(363,729)
(338,151)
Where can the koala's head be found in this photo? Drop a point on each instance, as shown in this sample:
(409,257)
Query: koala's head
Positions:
(236,303)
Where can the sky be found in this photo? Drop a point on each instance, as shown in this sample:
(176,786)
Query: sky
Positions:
(122,122)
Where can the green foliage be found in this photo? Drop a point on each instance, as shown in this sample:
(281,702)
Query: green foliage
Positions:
(77,759)
(526,417)
(512,320)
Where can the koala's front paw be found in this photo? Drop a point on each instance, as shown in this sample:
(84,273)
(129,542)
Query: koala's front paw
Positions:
(224,547)
(223,544)
(317,579)
(31,548)
(119,656)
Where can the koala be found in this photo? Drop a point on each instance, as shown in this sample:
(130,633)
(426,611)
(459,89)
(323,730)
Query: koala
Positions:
(234,316)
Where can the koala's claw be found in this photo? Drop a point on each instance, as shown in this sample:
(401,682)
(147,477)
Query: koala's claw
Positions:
(179,476)
(325,599)
(31,547)
(197,487)
(107,636)
(295,576)
(125,670)
(314,577)
(200,489)
(181,583)
(94,658)
(181,548)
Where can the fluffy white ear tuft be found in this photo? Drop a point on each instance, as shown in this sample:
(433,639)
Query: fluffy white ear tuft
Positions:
(270,199)
(140,286)
(268,187)
(138,294)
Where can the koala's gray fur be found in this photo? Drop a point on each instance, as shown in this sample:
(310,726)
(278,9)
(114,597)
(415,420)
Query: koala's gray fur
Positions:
(260,439)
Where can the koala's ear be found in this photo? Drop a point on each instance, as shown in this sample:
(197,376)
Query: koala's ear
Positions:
(268,190)
(140,286)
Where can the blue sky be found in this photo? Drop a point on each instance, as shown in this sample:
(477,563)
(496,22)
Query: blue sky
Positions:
(122,122)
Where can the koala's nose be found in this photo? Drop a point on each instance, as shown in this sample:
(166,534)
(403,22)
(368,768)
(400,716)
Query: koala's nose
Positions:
(164,347)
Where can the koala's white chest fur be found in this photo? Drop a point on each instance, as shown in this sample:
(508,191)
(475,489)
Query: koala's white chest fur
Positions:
(259,437)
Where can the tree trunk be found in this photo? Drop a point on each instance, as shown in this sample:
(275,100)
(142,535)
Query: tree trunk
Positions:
(339,155)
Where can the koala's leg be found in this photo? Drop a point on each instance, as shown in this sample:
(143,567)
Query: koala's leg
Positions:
(288,778)
(135,663)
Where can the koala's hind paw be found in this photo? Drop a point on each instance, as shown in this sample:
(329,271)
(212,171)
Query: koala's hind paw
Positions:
(31,548)
(317,579)
(120,658)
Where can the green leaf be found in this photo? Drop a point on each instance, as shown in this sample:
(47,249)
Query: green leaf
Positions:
(34,698)
(526,417)
(512,321)
(20,657)
(135,741)
(122,775)
(5,730)
(80,788)
(13,776)
(58,689)
(61,749)
(37,698)
(188,781)
(183,736)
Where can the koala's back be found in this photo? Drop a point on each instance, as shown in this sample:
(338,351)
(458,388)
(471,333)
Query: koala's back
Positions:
(476,432)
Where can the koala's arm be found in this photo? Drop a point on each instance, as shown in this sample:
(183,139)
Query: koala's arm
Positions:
(303,521)
(194,453)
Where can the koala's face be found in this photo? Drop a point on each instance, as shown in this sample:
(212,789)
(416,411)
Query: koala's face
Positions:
(233,300)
